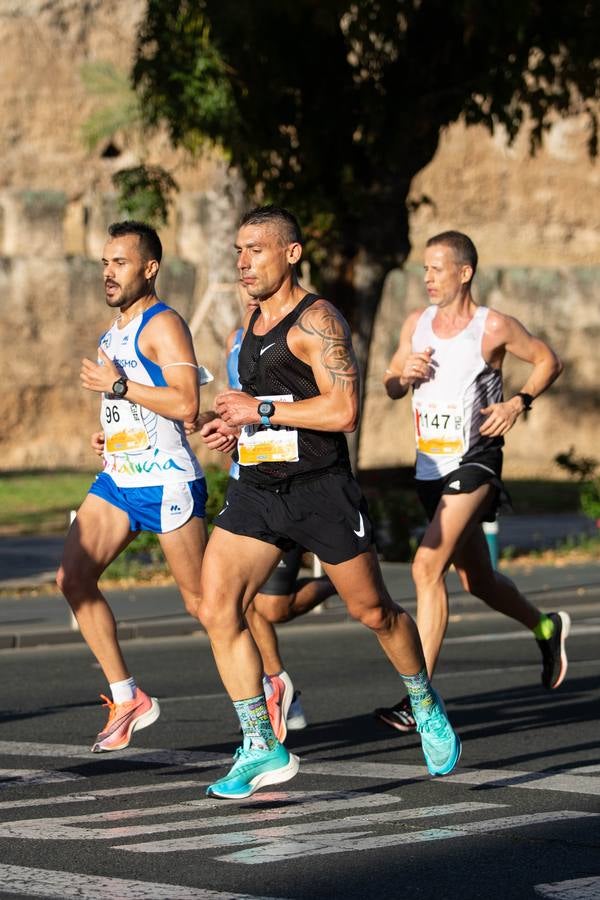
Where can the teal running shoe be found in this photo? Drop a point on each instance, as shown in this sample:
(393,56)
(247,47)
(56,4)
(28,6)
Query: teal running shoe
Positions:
(253,769)
(441,745)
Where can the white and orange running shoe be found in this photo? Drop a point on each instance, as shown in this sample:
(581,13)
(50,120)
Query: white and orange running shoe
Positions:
(124,719)
(279,702)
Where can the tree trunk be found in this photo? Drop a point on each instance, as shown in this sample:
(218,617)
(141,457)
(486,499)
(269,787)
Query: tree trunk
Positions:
(355,285)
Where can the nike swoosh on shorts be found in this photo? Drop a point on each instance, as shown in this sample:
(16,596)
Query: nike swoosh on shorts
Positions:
(361,527)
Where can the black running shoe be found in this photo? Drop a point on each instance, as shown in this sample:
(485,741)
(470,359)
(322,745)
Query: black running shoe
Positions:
(554,658)
(399,716)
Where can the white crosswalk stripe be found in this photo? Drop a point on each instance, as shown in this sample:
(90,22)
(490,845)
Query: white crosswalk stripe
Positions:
(51,885)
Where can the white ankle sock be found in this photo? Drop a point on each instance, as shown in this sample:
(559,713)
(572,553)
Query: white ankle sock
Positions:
(267,687)
(122,691)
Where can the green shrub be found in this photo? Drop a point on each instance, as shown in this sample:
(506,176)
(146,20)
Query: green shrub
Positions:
(589,498)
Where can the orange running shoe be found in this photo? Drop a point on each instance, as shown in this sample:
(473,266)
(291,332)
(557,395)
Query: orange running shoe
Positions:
(124,719)
(279,703)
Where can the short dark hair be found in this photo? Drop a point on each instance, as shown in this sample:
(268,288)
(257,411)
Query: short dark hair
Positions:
(150,245)
(461,245)
(285,222)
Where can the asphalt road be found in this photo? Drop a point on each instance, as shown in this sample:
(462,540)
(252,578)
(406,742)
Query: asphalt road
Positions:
(519,819)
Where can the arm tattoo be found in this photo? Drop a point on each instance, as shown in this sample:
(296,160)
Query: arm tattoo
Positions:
(337,354)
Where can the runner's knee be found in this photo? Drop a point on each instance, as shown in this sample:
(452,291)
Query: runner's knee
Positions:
(274,609)
(375,618)
(192,601)
(426,569)
(74,581)
(217,614)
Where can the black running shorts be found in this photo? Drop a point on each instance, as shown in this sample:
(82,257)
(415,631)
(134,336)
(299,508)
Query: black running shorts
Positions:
(469,476)
(327,515)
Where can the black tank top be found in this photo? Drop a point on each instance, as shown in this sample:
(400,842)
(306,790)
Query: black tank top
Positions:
(268,368)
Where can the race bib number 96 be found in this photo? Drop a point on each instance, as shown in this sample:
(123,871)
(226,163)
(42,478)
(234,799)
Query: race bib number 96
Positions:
(124,430)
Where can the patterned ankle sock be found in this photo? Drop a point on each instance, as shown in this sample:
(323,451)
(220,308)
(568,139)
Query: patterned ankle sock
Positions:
(255,722)
(419,691)
(544,628)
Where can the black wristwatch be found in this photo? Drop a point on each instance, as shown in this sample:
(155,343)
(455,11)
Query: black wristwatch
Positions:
(527,400)
(119,388)
(266,409)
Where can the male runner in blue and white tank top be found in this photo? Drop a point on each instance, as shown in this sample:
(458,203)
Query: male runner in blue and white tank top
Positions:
(300,393)
(146,373)
(450,356)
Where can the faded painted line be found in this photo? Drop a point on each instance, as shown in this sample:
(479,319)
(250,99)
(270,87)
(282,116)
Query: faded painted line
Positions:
(502,670)
(196,758)
(290,805)
(522,634)
(12,777)
(51,884)
(576,889)
(345,842)
(90,797)
(576,781)
(566,782)
(402,818)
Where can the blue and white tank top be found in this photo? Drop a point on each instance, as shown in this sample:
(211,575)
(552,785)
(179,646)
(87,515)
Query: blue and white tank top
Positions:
(447,407)
(233,378)
(141,448)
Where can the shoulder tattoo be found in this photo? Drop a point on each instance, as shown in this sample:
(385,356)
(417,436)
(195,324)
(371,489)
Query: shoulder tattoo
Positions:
(337,354)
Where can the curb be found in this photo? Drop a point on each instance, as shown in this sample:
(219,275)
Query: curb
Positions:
(126,631)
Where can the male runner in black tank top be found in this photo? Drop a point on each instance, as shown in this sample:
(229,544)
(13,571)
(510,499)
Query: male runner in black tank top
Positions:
(300,394)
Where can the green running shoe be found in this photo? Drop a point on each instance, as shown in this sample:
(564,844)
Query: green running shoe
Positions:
(253,769)
(441,745)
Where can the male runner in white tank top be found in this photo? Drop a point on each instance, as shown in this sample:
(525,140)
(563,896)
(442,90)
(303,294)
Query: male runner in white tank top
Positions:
(146,374)
(450,355)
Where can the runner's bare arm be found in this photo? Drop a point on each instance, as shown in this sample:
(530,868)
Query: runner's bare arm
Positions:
(322,340)
(97,442)
(406,367)
(505,334)
(165,340)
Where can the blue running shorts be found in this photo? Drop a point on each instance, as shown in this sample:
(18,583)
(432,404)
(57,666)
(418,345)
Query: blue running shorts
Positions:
(159,508)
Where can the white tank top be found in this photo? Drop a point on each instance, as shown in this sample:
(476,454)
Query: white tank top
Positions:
(141,448)
(446,408)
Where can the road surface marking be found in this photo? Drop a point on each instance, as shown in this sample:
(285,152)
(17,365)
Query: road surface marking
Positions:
(402,818)
(277,849)
(10,778)
(576,889)
(290,805)
(569,782)
(49,884)
(91,797)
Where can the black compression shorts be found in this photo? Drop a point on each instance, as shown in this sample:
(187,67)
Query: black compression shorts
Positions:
(282,580)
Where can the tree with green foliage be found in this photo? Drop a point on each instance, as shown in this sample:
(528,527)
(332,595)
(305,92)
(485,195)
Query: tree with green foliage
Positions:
(331,107)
